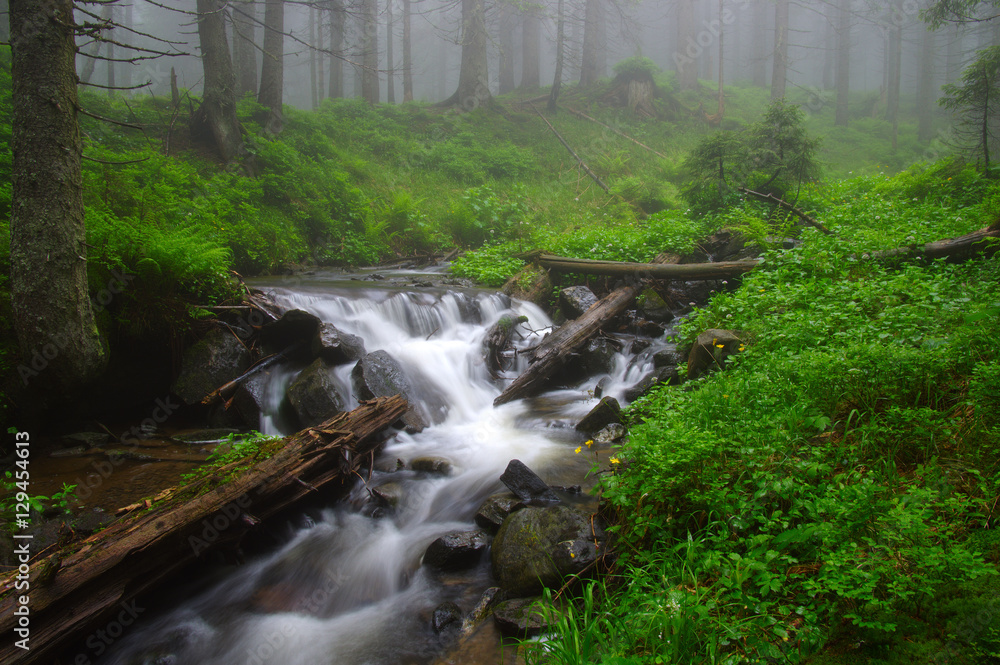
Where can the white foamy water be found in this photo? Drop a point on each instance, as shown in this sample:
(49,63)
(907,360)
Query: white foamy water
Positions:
(347,587)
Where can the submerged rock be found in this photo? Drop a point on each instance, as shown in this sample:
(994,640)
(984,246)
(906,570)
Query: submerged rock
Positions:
(539,547)
(445,615)
(435,465)
(665,375)
(216,359)
(486,603)
(314,394)
(86,439)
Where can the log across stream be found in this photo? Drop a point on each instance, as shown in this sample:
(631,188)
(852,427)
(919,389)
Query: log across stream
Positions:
(343,581)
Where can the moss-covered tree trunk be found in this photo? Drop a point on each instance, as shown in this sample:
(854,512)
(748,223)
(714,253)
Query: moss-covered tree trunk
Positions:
(215,121)
(48,266)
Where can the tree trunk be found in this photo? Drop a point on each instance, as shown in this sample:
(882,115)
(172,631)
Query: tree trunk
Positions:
(244,49)
(506,40)
(127,21)
(759,45)
(215,121)
(893,80)
(90,580)
(560,56)
(51,306)
(841,113)
(390,91)
(337,16)
(313,90)
(531,28)
(925,95)
(111,56)
(90,60)
(407,57)
(592,66)
(271,93)
(779,71)
(320,57)
(473,79)
(687,46)
(829,51)
(369,47)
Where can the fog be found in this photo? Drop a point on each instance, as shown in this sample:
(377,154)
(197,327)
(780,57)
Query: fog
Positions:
(681,37)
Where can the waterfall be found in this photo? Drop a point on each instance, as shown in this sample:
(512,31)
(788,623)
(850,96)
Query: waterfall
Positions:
(347,586)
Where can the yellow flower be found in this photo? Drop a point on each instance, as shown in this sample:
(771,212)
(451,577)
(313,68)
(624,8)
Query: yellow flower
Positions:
(720,346)
(573,556)
(590,443)
(726,396)
(614,460)
(578,449)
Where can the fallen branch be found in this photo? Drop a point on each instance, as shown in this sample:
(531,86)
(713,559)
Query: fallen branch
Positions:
(556,349)
(781,203)
(620,133)
(579,160)
(80,587)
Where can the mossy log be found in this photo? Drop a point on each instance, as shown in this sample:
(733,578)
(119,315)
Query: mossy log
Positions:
(80,587)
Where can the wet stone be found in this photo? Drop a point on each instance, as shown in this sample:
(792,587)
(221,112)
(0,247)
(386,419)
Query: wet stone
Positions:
(435,465)
(86,439)
(606,412)
(446,615)
(611,433)
(520,617)
(495,510)
(455,551)
(388,494)
(525,483)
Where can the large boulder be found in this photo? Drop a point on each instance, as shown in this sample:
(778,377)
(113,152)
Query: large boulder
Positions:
(335,346)
(293,332)
(378,374)
(314,394)
(539,547)
(575,300)
(216,359)
(711,350)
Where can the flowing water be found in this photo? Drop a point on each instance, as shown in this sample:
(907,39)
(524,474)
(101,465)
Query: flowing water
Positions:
(346,586)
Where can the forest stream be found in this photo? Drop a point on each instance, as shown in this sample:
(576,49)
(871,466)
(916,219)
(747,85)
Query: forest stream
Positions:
(346,585)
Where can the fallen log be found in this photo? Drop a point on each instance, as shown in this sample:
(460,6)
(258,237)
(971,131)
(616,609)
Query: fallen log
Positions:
(556,349)
(583,164)
(781,203)
(79,588)
(685,271)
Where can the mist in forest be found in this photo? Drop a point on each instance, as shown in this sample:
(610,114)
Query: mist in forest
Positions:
(414,48)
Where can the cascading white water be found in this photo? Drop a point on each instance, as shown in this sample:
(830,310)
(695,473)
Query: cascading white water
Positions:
(348,587)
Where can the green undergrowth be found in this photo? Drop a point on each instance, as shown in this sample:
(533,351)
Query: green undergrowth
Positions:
(831,496)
